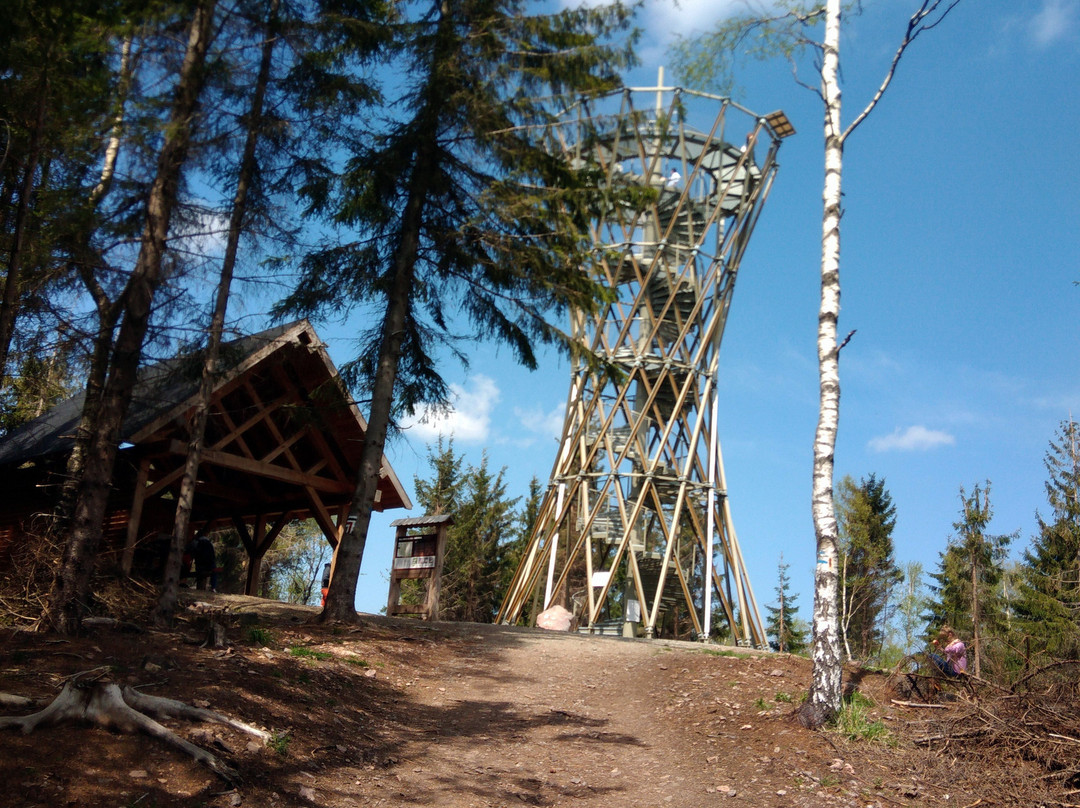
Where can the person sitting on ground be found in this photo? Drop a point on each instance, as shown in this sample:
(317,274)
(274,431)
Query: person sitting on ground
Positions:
(954,661)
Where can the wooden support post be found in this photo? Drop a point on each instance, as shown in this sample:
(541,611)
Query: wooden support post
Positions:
(138,497)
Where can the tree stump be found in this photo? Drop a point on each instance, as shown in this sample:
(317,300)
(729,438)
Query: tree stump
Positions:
(124,709)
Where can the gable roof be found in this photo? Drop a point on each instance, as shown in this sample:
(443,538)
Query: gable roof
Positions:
(283,436)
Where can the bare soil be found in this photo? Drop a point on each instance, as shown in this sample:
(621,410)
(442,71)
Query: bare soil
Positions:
(401,713)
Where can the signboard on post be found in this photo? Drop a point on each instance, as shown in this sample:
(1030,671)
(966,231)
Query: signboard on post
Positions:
(419,549)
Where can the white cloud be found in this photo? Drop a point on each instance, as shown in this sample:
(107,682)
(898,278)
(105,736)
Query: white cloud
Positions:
(468,417)
(202,236)
(686,17)
(912,439)
(1056,20)
(660,19)
(547,425)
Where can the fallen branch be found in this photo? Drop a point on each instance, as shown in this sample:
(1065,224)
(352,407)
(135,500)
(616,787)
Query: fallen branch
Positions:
(918,704)
(948,736)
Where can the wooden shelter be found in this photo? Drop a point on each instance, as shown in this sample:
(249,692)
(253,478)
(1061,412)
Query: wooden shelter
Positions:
(283,442)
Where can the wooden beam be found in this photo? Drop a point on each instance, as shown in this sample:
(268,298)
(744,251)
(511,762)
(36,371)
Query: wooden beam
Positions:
(246,424)
(259,469)
(322,516)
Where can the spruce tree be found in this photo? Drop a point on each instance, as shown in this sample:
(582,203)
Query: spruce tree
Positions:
(70,592)
(868,569)
(439,494)
(967,595)
(782,623)
(479,545)
(1048,607)
(452,203)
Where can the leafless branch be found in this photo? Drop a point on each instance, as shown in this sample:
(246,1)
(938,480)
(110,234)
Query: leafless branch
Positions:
(918,23)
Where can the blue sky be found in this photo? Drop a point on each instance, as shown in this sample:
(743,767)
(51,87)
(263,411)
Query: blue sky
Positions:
(960,241)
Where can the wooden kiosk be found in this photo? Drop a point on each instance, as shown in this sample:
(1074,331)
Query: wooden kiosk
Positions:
(419,549)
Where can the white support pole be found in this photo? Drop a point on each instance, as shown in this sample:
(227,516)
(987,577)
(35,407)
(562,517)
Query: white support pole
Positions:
(710,530)
(554,546)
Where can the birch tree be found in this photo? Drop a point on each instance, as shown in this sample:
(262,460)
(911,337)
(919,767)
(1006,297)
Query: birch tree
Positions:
(790,34)
(69,594)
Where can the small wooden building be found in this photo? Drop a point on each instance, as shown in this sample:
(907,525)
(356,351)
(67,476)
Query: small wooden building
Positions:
(283,442)
(419,550)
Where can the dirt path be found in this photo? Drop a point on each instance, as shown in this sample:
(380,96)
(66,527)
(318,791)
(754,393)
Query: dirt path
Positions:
(564,720)
(399,713)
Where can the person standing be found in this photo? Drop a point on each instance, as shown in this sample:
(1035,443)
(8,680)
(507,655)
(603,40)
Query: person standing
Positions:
(205,562)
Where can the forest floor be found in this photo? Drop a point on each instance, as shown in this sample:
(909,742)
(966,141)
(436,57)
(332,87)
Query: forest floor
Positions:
(401,713)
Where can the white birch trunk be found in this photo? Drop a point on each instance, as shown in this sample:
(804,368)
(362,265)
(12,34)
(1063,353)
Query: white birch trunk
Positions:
(825,692)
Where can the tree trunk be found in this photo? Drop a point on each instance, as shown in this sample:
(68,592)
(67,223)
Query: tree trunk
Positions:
(163,615)
(349,554)
(71,589)
(825,691)
(10,303)
(98,370)
(975,602)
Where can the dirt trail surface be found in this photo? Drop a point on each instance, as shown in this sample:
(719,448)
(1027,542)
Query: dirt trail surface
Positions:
(400,713)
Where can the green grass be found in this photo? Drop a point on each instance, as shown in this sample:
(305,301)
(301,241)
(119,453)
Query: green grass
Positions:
(725,653)
(279,742)
(260,636)
(853,721)
(309,653)
(761,704)
(784,698)
(358,662)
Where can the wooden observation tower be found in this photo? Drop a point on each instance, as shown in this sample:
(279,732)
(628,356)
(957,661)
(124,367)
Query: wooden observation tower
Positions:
(635,531)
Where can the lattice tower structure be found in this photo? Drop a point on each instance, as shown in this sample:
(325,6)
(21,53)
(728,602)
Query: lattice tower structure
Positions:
(635,530)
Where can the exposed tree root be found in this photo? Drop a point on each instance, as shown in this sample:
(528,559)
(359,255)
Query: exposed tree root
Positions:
(107,705)
(11,700)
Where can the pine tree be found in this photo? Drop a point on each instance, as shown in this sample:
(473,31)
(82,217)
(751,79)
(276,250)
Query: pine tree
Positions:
(968,595)
(457,205)
(868,570)
(479,545)
(1048,607)
(782,623)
